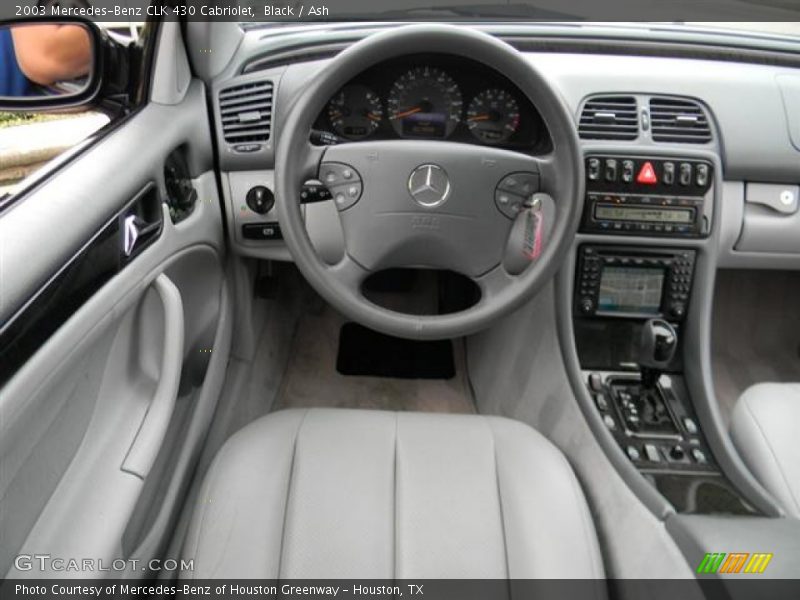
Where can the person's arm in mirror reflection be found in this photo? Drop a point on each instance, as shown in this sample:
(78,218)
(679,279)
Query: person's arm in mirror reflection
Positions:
(47,54)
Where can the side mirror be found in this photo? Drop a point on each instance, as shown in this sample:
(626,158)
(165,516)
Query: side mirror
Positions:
(49,64)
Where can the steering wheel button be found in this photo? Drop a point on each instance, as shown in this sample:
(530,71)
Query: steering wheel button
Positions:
(352,191)
(522,183)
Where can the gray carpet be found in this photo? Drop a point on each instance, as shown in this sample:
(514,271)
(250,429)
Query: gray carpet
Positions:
(755,332)
(311,379)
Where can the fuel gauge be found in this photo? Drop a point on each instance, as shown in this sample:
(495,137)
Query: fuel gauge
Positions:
(355,112)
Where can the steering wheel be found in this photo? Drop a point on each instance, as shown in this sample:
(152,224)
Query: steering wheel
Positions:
(504,219)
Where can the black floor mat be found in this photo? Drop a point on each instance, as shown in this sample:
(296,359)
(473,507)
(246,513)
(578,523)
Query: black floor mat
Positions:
(369,353)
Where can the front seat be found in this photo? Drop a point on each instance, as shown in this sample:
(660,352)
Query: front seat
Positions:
(336,493)
(764,431)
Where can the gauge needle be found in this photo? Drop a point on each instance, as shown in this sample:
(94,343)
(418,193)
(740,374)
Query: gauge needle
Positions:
(373,117)
(408,112)
(480,118)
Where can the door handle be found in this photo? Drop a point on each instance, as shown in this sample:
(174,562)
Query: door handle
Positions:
(135,232)
(150,437)
(141,222)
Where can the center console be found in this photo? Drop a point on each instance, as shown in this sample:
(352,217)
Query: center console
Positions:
(648,196)
(629,306)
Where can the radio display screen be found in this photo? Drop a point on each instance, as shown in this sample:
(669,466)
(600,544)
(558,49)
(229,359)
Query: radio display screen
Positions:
(631,290)
(639,213)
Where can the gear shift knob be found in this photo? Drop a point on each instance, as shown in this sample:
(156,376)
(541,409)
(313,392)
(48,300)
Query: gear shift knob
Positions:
(656,348)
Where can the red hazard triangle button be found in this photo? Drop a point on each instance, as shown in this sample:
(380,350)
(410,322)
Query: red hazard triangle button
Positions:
(647,174)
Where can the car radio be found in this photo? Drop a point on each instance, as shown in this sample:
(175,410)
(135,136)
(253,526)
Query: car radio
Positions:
(648,196)
(633,282)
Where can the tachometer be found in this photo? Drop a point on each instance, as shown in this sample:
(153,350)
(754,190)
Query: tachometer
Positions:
(355,112)
(424,103)
(493,116)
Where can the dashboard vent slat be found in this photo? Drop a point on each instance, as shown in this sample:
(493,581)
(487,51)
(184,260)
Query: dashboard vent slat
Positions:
(246,112)
(679,120)
(609,118)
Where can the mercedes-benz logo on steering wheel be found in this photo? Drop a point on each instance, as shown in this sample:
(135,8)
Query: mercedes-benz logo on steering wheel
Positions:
(429,185)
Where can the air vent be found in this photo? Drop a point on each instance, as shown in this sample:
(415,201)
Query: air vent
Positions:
(682,121)
(246,112)
(609,118)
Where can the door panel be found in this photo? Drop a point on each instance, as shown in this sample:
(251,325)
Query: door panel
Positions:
(101,424)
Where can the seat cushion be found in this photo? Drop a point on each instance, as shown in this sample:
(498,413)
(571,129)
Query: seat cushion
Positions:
(764,429)
(335,493)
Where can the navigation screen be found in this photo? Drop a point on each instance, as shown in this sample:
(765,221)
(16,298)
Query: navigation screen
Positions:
(631,290)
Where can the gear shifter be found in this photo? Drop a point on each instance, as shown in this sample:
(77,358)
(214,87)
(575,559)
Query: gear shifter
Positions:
(656,349)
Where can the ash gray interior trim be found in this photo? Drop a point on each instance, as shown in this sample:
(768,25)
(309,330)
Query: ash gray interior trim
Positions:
(764,430)
(225,37)
(790,91)
(157,535)
(85,190)
(42,444)
(171,71)
(409,495)
(142,453)
(517,370)
(700,379)
(771,219)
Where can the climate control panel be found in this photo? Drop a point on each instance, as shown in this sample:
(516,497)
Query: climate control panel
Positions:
(648,196)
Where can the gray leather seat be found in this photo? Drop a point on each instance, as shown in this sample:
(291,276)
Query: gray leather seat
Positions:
(764,428)
(349,493)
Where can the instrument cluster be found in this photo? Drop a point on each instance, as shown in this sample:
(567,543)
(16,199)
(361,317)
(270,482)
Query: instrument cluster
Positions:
(435,97)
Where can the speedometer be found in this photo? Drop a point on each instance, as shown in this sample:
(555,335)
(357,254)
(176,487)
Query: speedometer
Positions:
(355,112)
(493,116)
(424,103)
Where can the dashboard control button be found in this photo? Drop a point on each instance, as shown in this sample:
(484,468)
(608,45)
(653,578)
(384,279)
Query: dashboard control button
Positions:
(633,453)
(685,175)
(514,190)
(262,231)
(593,169)
(701,175)
(611,170)
(260,199)
(343,182)
(627,171)
(699,456)
(652,453)
(647,174)
(601,402)
(610,422)
(690,426)
(314,191)
(596,382)
(587,306)
(677,453)
(247,148)
(668,176)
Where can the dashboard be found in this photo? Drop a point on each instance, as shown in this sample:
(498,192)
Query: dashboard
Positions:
(435,97)
(750,215)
